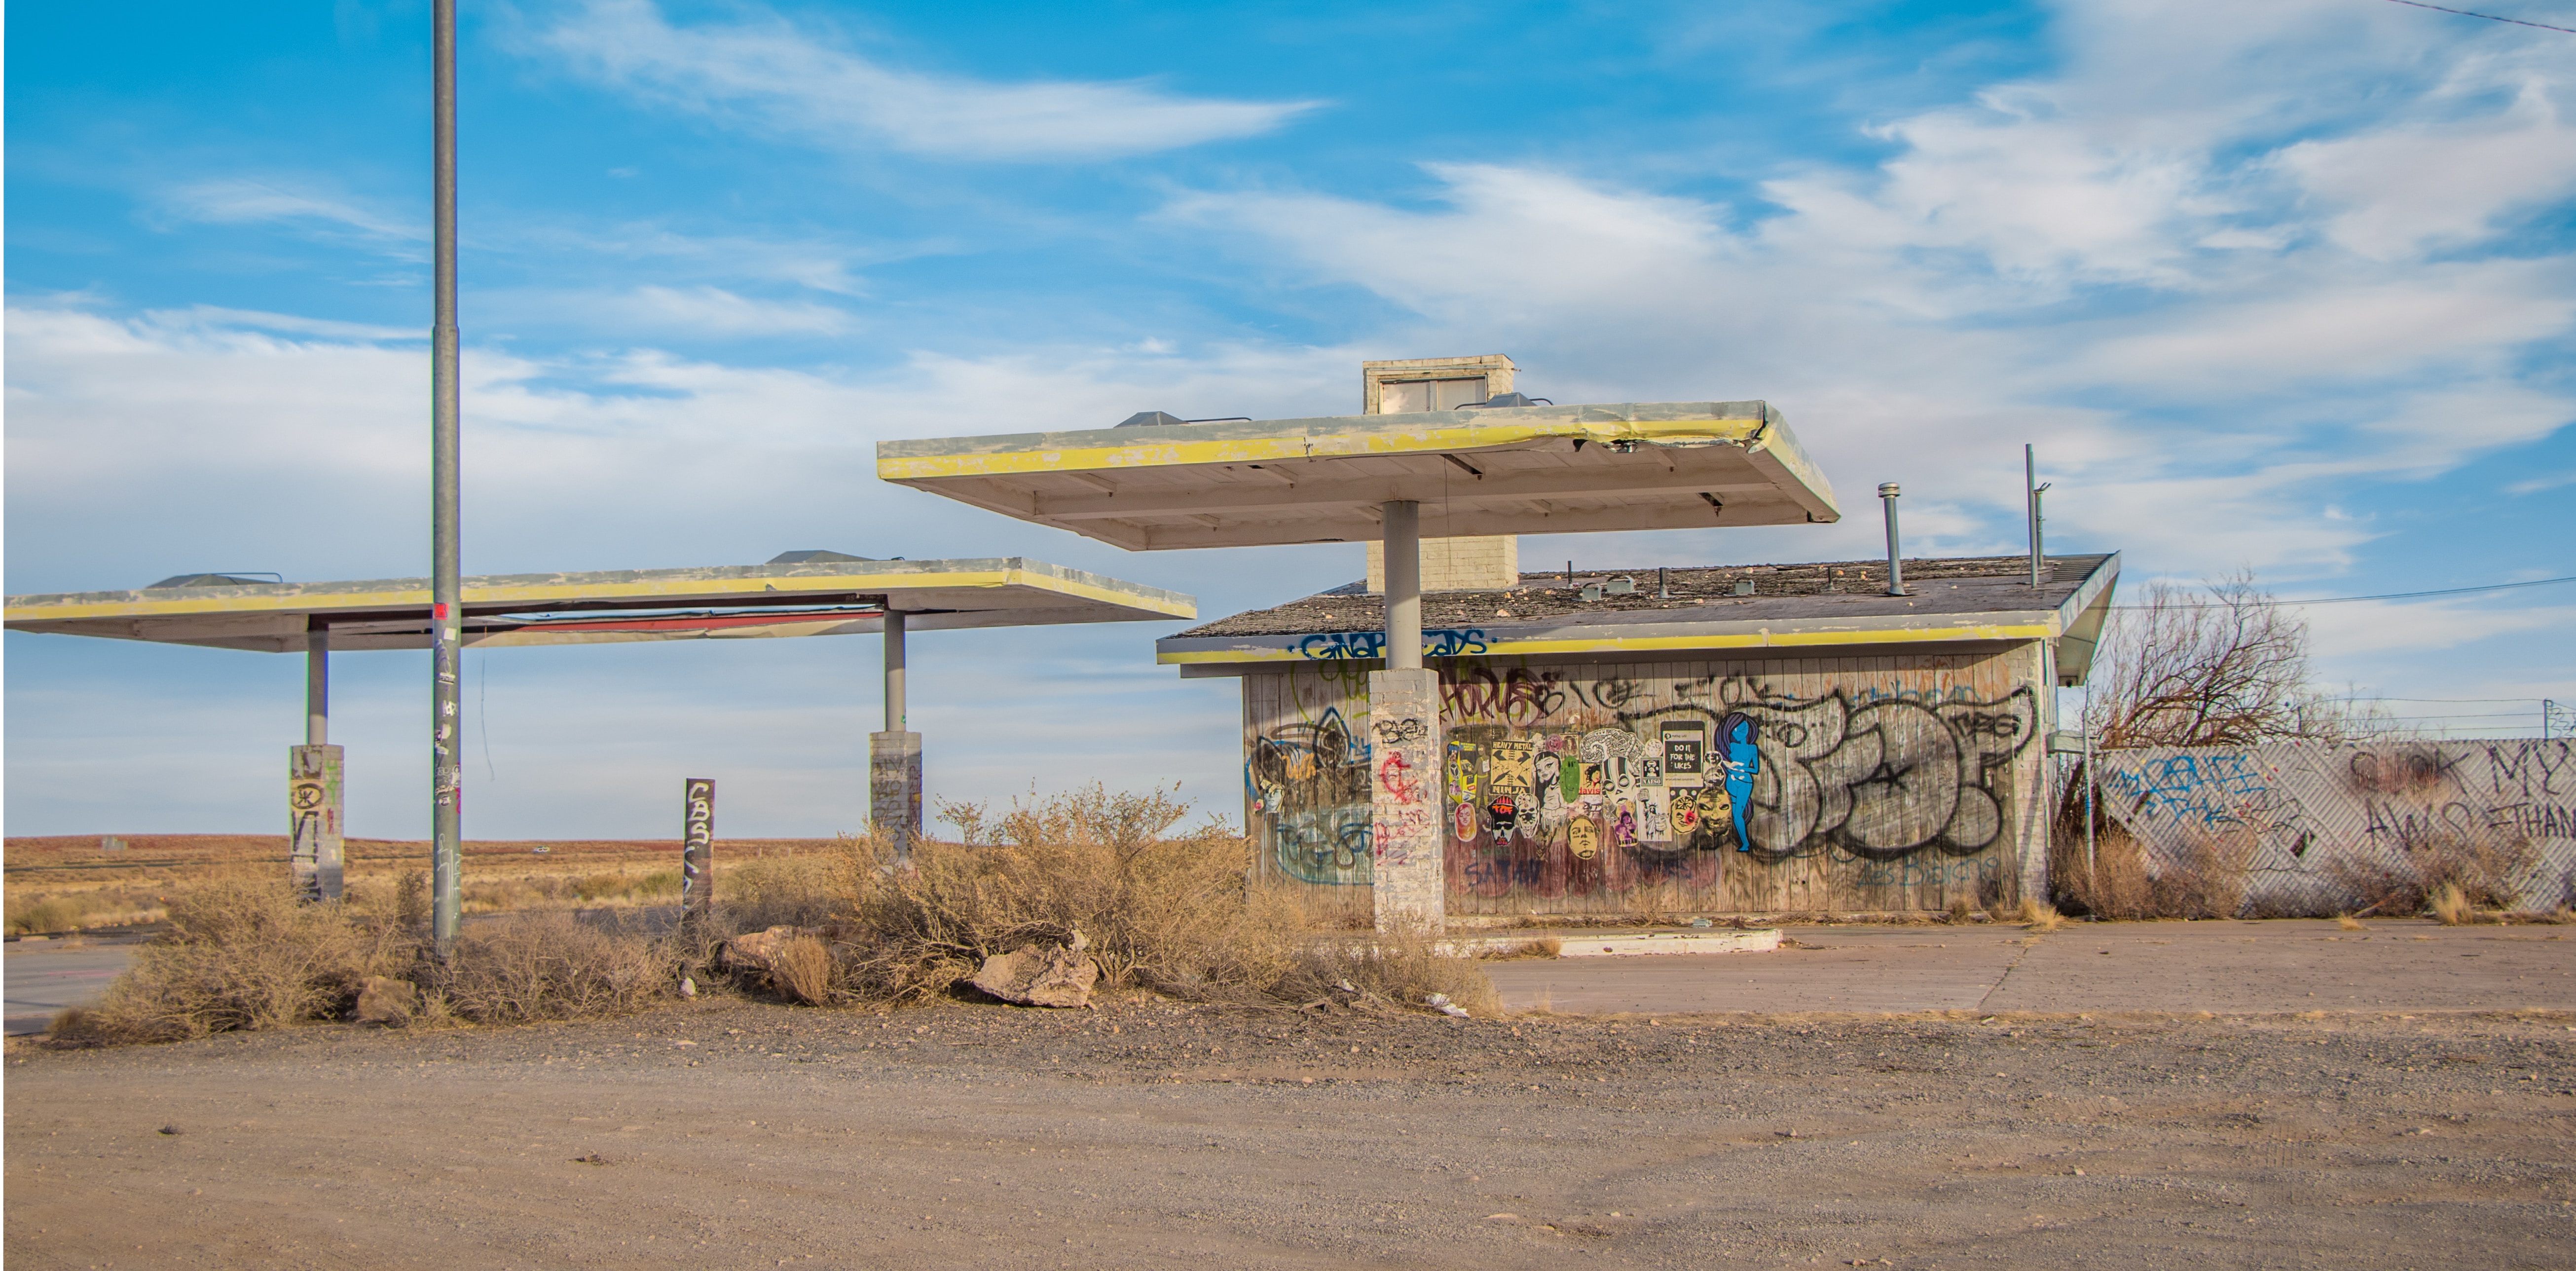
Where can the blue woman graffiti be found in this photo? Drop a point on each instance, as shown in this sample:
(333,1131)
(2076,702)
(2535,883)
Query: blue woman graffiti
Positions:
(1740,762)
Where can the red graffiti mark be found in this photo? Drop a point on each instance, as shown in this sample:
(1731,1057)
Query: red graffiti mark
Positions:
(1395,777)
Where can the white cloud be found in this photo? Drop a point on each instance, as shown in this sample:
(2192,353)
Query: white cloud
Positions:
(768,72)
(699,312)
(247,201)
(2399,190)
(2116,261)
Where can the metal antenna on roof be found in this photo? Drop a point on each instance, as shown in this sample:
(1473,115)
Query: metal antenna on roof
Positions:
(447,598)
(2030,483)
(1895,562)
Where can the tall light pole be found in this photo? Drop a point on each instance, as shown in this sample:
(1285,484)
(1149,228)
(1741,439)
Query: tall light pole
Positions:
(447,599)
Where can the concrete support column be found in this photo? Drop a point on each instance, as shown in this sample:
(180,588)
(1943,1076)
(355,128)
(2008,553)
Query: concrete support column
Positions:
(313,788)
(894,654)
(317,686)
(894,756)
(313,804)
(1407,821)
(1402,523)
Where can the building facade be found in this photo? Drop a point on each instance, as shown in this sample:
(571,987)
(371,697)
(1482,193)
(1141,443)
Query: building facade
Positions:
(1717,741)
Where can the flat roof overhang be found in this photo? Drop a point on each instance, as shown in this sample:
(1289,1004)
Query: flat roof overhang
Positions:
(610,606)
(1506,470)
(1974,610)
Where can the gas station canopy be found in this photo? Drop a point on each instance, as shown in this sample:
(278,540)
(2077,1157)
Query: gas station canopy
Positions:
(798,594)
(1475,471)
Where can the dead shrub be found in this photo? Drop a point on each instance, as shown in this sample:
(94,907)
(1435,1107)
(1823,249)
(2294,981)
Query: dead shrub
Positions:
(793,889)
(2405,882)
(2451,906)
(2206,879)
(1162,907)
(1403,968)
(803,970)
(1163,910)
(550,965)
(2038,915)
(242,953)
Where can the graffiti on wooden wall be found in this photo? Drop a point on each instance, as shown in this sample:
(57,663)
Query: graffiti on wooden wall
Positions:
(1309,781)
(1891,779)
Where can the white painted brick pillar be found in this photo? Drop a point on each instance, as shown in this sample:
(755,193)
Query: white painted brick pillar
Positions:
(1408,828)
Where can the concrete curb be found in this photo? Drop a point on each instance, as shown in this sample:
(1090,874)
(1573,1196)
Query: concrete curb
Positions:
(1622,944)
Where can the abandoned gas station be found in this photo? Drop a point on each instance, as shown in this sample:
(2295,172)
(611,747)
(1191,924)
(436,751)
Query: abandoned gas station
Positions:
(1452,740)
(1456,741)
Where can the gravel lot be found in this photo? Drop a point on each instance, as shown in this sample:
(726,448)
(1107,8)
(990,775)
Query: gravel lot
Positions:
(731,1134)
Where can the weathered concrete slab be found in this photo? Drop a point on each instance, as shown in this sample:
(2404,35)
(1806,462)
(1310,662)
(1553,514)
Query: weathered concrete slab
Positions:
(2227,967)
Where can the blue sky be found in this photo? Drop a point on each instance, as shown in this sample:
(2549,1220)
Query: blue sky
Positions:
(2285,286)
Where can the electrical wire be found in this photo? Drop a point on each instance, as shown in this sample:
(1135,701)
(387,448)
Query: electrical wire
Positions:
(2394,595)
(2419,4)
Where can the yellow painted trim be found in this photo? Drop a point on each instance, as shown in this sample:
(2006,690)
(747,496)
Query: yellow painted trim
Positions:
(1641,644)
(1264,449)
(540,593)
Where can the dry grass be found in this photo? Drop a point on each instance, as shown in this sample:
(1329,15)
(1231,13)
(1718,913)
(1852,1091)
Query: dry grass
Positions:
(1163,910)
(242,954)
(1164,907)
(2451,906)
(2206,880)
(550,966)
(2350,923)
(804,970)
(2407,881)
(2038,915)
(1392,969)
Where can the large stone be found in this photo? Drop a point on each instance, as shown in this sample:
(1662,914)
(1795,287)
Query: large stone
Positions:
(1041,975)
(387,1001)
(759,950)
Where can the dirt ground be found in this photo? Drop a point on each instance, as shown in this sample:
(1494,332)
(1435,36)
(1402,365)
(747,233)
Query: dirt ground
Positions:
(1143,1134)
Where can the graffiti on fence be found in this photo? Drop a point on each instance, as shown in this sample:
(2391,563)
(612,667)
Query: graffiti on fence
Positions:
(2321,815)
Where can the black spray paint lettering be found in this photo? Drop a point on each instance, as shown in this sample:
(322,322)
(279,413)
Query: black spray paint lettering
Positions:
(1883,779)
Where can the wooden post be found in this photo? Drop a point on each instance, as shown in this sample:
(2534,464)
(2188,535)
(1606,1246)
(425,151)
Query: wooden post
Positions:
(697,851)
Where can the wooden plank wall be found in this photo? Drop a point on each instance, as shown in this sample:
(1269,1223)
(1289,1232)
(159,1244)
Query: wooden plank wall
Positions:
(1905,782)
(1306,787)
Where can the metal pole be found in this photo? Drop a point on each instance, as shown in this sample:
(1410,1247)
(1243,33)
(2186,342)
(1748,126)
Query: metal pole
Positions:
(1403,525)
(1887,495)
(2030,504)
(2092,876)
(447,598)
(317,685)
(894,703)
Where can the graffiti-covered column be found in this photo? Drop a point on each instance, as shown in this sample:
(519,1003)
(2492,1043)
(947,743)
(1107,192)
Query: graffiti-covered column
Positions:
(894,756)
(313,805)
(1405,837)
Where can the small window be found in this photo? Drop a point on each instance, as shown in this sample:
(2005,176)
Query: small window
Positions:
(1397,397)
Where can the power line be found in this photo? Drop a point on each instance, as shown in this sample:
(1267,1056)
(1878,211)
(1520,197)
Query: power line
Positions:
(2419,4)
(2394,595)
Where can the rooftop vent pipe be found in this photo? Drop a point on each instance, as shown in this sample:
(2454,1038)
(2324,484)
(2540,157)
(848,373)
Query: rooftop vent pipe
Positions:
(1895,560)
